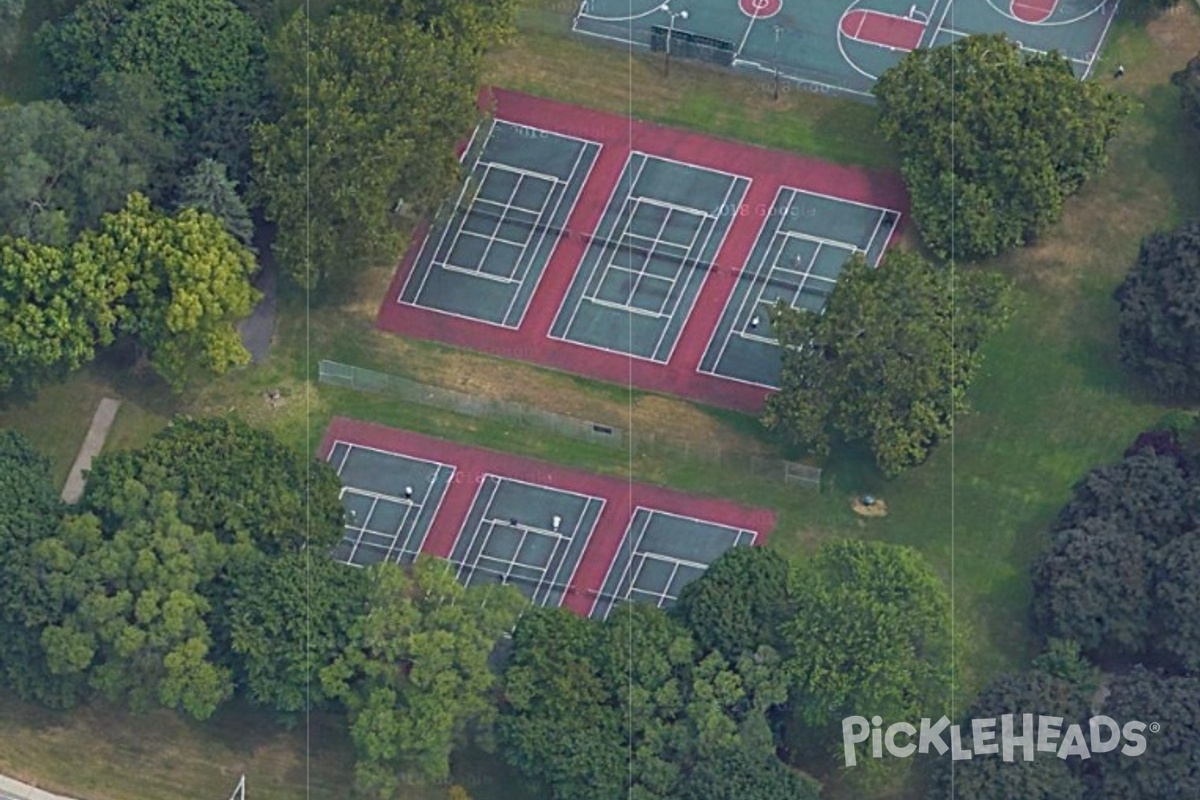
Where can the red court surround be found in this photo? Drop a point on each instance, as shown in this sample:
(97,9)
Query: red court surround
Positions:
(621,497)
(767,169)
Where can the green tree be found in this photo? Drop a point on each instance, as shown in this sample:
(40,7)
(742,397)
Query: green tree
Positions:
(190,284)
(30,511)
(631,707)
(416,673)
(131,110)
(1096,583)
(1188,81)
(889,361)
(194,49)
(10,27)
(54,311)
(870,635)
(280,652)
(1177,596)
(989,777)
(739,603)
(376,122)
(1170,766)
(135,619)
(992,141)
(254,492)
(1160,313)
(739,774)
(59,177)
(210,190)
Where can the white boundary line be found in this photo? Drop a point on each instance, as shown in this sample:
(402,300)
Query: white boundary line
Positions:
(588,501)
(735,179)
(449,471)
(564,182)
(615,596)
(883,213)
(1103,38)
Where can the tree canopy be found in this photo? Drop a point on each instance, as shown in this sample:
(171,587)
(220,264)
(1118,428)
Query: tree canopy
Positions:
(392,91)
(195,50)
(55,311)
(989,777)
(738,604)
(133,617)
(253,491)
(10,27)
(632,707)
(992,140)
(189,285)
(280,652)
(30,511)
(889,361)
(1111,578)
(416,674)
(59,176)
(1170,766)
(1188,81)
(1160,313)
(870,635)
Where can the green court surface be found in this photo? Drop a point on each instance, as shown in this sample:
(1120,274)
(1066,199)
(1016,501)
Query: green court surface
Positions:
(658,237)
(660,554)
(390,500)
(526,535)
(489,250)
(840,46)
(797,258)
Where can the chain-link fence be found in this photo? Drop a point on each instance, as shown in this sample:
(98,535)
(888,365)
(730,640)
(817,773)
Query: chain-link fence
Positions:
(640,443)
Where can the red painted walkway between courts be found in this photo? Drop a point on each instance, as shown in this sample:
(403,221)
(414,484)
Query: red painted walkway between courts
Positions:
(620,496)
(767,170)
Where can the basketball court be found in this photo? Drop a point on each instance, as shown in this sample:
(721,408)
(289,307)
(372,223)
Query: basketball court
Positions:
(841,46)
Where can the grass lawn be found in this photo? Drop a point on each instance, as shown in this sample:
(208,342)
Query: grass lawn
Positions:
(1050,404)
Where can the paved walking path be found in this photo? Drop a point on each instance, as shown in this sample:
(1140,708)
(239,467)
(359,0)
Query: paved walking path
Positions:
(106,412)
(15,790)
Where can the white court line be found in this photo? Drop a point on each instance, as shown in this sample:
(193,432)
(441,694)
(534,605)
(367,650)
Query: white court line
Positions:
(701,267)
(775,219)
(650,513)
(558,204)
(874,233)
(1023,46)
(758,268)
(929,16)
(507,206)
(687,164)
(1103,36)
(475,273)
(609,206)
(394,453)
(475,534)
(639,312)
(487,166)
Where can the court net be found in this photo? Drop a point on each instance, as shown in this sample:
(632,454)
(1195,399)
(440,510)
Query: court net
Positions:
(668,250)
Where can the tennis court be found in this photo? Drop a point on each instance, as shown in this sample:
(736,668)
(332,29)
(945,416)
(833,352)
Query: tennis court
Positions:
(486,259)
(525,534)
(562,537)
(642,271)
(661,553)
(644,256)
(391,501)
(796,260)
(840,46)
